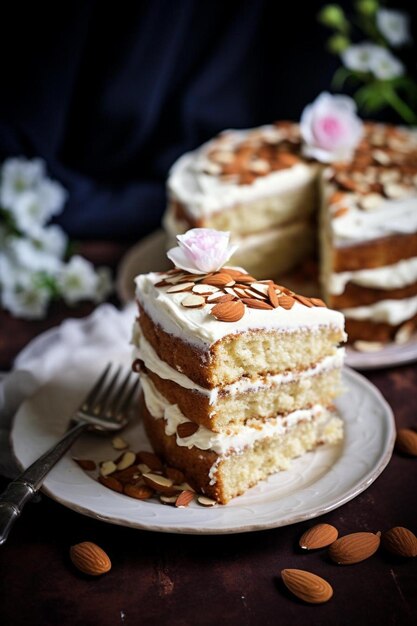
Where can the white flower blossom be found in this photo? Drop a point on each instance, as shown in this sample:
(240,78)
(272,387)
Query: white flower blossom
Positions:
(385,66)
(368,57)
(358,56)
(17,176)
(51,240)
(52,196)
(77,280)
(26,299)
(394,26)
(11,274)
(28,255)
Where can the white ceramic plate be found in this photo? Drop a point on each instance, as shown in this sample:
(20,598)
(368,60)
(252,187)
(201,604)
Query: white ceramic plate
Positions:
(149,255)
(316,483)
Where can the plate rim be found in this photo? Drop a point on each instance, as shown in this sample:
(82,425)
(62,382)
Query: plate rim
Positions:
(360,486)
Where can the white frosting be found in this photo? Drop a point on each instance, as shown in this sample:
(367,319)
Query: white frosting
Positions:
(198,327)
(391,312)
(204,194)
(393,217)
(394,276)
(147,354)
(235,439)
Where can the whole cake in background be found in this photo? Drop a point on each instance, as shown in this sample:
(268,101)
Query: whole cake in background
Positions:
(330,182)
(238,376)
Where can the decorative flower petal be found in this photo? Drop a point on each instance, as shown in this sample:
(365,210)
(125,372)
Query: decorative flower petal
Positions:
(330,128)
(202,250)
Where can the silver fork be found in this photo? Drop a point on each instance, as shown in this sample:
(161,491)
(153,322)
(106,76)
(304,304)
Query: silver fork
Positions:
(105,409)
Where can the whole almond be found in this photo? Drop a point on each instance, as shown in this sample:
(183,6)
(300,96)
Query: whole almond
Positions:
(140,492)
(218,280)
(303,300)
(406,441)
(318,302)
(228,311)
(186,429)
(111,483)
(287,302)
(400,541)
(86,464)
(318,536)
(89,558)
(354,548)
(184,498)
(307,586)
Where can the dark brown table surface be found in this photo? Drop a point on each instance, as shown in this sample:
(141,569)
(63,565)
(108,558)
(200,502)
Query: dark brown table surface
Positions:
(185,580)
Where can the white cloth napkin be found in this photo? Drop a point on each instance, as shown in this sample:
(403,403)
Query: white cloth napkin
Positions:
(104,329)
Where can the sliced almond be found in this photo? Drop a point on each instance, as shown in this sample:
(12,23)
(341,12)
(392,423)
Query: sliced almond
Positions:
(371,202)
(184,498)
(367,346)
(204,501)
(397,191)
(259,166)
(272,295)
(204,290)
(246,278)
(159,483)
(252,303)
(231,292)
(381,157)
(107,467)
(305,301)
(250,293)
(127,460)
(228,311)
(318,302)
(168,499)
(261,288)
(180,287)
(119,444)
(193,302)
(186,429)
(220,297)
(184,487)
(287,302)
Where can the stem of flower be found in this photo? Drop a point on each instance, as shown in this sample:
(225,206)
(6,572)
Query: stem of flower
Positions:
(400,106)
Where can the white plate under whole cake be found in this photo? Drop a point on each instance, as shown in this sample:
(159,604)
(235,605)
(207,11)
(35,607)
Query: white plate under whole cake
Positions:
(149,255)
(316,483)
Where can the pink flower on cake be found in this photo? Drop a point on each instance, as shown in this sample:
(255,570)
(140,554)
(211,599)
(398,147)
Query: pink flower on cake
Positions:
(202,250)
(330,128)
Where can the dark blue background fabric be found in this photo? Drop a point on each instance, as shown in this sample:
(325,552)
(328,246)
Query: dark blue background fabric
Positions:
(111,93)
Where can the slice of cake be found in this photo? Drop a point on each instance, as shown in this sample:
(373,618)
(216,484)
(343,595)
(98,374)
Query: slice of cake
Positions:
(238,375)
(369,235)
(255,184)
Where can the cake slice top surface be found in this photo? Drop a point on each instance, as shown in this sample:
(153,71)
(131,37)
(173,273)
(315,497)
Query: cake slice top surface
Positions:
(184,305)
(239,166)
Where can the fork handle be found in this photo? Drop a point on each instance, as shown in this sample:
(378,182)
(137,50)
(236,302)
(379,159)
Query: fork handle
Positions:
(25,486)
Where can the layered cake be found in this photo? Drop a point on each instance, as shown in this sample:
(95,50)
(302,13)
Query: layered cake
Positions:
(268,190)
(238,376)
